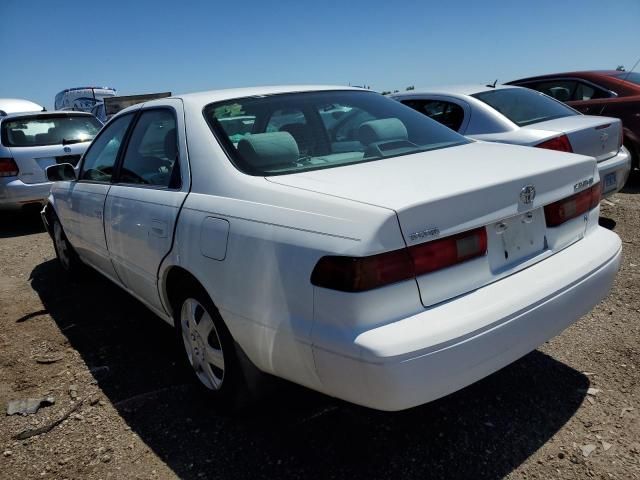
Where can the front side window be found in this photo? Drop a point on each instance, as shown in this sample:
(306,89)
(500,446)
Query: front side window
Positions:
(152,151)
(446,113)
(100,158)
(48,129)
(523,106)
(303,131)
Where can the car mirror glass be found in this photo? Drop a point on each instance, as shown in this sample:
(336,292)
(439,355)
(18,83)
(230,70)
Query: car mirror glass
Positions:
(61,172)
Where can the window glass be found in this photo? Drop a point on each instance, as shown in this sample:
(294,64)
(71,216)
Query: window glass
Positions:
(47,129)
(633,77)
(446,113)
(562,90)
(152,150)
(523,106)
(295,123)
(102,154)
(584,91)
(296,132)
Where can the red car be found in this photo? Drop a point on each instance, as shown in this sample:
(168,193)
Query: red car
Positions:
(606,92)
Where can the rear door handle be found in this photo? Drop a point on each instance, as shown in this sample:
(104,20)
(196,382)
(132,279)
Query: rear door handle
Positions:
(158,228)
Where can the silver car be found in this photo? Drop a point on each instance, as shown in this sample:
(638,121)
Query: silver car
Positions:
(520,116)
(31,142)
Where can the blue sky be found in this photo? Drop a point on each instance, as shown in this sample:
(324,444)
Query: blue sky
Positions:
(140,46)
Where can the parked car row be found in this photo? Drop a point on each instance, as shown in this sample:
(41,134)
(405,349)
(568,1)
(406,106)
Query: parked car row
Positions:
(344,241)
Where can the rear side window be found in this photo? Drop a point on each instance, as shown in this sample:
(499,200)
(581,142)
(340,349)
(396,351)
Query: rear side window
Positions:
(41,130)
(523,106)
(100,158)
(152,151)
(303,131)
(446,113)
(585,91)
(569,90)
(561,90)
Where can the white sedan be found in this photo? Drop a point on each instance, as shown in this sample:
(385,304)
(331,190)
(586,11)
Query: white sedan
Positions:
(520,116)
(335,238)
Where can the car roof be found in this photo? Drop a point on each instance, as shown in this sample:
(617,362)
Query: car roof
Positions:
(13,105)
(456,90)
(44,114)
(211,96)
(579,73)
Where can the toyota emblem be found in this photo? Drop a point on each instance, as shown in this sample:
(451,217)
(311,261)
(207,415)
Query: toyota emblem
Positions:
(527,194)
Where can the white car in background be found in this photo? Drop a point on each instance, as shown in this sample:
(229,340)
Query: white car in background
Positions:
(520,116)
(368,252)
(18,105)
(31,142)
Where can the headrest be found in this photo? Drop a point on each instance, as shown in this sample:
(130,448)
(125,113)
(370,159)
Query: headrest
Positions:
(267,149)
(171,144)
(17,137)
(382,130)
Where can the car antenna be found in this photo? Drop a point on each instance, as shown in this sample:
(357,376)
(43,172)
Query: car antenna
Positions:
(632,69)
(492,85)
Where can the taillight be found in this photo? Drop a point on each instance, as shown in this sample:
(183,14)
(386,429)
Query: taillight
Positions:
(357,274)
(448,251)
(8,167)
(560,143)
(571,207)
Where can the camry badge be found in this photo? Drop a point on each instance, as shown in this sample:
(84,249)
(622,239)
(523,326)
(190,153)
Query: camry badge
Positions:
(527,194)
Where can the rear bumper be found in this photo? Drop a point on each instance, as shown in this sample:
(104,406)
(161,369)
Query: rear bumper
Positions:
(621,165)
(15,194)
(445,348)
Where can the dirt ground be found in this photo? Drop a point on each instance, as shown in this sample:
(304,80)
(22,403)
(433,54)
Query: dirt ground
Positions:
(569,410)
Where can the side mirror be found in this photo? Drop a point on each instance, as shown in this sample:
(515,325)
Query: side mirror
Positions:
(61,172)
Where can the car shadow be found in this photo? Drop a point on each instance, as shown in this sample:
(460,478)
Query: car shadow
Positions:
(606,222)
(482,432)
(633,183)
(19,223)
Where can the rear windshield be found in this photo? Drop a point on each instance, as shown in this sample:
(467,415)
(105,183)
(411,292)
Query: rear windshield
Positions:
(294,132)
(632,77)
(523,106)
(40,130)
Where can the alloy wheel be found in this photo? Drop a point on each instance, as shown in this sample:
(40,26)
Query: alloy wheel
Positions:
(202,344)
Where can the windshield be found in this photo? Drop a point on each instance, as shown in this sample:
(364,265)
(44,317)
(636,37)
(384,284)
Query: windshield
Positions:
(294,132)
(40,130)
(632,77)
(523,106)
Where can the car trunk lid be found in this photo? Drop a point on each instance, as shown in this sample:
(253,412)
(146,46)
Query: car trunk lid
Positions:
(33,161)
(444,192)
(598,137)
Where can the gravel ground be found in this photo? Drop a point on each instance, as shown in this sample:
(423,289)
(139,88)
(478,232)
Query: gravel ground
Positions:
(568,410)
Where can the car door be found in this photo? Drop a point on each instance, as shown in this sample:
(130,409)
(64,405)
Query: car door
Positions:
(81,204)
(142,206)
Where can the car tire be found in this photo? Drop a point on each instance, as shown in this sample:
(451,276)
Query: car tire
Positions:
(67,256)
(209,350)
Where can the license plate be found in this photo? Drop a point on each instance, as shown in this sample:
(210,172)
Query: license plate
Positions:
(519,238)
(610,182)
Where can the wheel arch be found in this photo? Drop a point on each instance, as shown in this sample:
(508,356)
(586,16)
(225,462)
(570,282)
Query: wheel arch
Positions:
(177,280)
